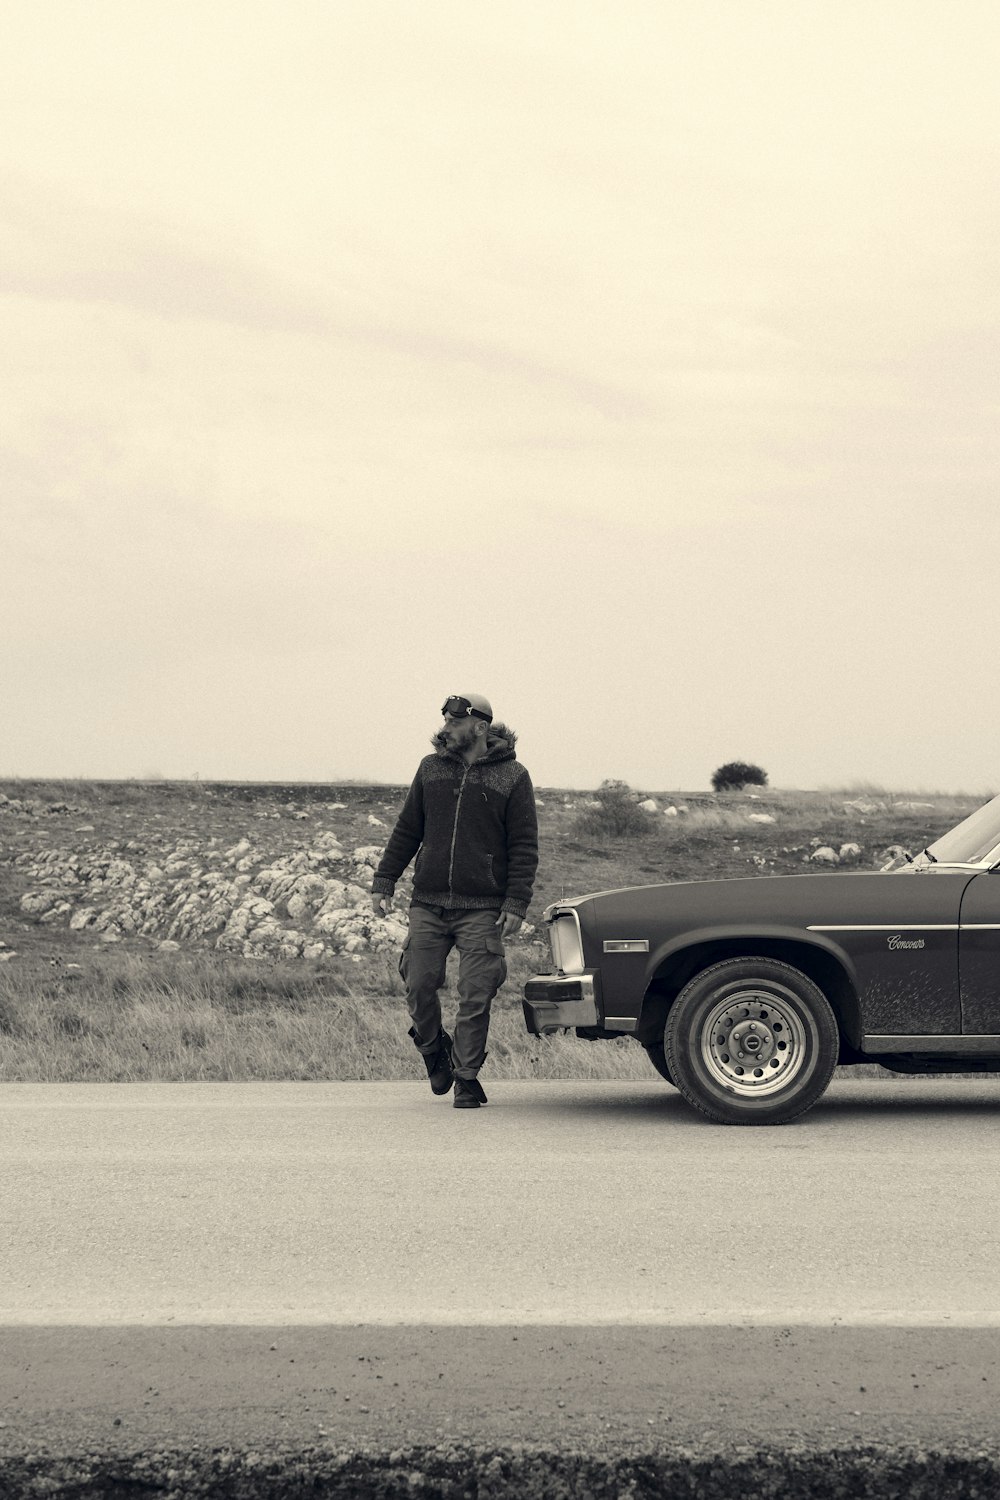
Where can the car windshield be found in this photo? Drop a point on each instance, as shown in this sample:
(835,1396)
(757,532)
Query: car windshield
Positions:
(973,838)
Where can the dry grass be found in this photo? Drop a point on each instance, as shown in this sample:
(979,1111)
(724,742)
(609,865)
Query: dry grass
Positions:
(204,1019)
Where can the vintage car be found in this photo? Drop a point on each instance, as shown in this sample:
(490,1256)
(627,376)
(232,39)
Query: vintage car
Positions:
(747,993)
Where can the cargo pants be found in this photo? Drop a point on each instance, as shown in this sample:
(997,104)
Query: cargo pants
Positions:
(482,969)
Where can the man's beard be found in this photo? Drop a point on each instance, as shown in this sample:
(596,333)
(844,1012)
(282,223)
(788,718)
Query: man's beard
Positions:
(446,739)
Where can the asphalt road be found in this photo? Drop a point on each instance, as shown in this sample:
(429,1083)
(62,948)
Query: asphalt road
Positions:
(217,1262)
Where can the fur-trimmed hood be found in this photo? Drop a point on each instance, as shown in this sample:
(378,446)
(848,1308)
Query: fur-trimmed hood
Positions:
(499,737)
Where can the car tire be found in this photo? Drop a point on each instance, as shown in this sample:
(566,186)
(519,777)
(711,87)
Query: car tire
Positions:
(751,1041)
(654,1051)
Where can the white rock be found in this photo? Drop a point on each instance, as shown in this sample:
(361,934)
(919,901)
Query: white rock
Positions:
(670,812)
(61,909)
(168,945)
(850,851)
(34,903)
(368,854)
(334,921)
(824,855)
(650,804)
(327,843)
(760,817)
(375,822)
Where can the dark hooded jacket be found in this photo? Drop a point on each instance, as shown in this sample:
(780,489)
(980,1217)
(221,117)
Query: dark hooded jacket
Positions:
(474,831)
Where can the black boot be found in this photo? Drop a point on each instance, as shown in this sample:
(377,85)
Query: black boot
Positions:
(438,1062)
(469,1093)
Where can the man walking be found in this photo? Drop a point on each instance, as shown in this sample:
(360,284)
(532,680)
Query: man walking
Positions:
(470,819)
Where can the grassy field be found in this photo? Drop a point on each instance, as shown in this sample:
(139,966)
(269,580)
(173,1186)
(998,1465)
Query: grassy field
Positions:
(73,1008)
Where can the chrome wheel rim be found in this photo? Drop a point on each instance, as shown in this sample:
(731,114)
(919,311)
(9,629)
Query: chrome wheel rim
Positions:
(753,1043)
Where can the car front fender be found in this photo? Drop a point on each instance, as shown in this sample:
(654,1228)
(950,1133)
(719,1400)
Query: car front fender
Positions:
(739,937)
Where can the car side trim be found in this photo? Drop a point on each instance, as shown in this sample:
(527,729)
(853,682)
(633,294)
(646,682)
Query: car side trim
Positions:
(892,926)
(621,1023)
(906,927)
(987,1044)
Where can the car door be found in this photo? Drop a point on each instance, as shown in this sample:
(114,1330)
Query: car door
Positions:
(979,955)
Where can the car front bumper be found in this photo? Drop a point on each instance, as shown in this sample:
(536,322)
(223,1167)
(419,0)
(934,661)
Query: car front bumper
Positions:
(555,1002)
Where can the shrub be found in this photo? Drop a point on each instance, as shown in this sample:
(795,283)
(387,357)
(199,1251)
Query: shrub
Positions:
(617,814)
(735,775)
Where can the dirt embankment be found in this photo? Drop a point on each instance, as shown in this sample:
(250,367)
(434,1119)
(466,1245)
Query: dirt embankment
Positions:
(457,1473)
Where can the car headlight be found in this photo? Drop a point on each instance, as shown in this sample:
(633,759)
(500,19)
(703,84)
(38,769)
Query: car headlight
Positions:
(566,942)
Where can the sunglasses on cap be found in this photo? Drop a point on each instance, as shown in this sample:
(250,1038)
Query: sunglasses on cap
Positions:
(460,708)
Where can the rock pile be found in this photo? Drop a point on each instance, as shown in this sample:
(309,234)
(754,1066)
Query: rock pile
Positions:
(34,807)
(312,901)
(825,854)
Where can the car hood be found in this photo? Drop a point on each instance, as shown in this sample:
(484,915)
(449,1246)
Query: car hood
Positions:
(774,900)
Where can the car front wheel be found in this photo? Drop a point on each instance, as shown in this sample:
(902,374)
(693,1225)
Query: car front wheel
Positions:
(751,1041)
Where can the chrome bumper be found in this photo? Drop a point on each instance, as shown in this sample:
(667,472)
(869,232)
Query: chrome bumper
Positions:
(554,1002)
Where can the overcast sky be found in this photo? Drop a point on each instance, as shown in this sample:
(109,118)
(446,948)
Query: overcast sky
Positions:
(634,364)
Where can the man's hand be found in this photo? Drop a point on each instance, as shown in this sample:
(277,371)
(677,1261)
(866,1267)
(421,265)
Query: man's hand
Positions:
(508,924)
(381,905)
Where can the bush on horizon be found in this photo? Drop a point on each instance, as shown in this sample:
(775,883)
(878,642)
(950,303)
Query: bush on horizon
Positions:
(737,774)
